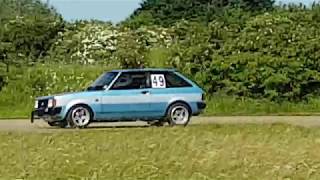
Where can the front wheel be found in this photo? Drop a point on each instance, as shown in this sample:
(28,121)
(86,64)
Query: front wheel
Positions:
(52,124)
(178,114)
(79,116)
(61,124)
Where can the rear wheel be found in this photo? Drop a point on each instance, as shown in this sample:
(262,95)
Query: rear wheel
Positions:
(178,114)
(79,116)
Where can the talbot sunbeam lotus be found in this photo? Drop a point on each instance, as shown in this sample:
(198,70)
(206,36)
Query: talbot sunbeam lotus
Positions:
(156,96)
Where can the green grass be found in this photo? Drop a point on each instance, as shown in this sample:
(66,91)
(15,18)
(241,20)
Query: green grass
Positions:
(17,98)
(197,152)
(231,106)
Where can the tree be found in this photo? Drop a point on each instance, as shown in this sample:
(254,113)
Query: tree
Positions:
(254,5)
(13,8)
(27,30)
(168,12)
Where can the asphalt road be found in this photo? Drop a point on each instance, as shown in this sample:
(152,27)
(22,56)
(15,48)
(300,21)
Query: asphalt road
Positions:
(306,121)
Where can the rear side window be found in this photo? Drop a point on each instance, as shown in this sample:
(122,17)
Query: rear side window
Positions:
(132,80)
(175,81)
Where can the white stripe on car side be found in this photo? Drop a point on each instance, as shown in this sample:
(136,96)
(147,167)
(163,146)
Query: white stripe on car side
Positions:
(158,98)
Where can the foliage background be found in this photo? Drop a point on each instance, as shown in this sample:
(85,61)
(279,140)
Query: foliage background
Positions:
(247,51)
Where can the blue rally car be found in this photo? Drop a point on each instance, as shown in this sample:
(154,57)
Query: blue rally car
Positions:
(152,95)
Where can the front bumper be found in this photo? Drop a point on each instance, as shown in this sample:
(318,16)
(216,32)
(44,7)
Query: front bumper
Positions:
(48,114)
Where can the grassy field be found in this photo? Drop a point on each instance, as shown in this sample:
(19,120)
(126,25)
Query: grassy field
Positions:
(17,98)
(197,152)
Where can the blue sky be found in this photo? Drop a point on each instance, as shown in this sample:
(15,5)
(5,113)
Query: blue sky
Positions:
(106,10)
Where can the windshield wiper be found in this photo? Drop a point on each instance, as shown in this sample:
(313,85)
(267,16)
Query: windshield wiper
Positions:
(95,88)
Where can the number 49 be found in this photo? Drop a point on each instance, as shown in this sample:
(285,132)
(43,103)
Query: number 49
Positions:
(158,81)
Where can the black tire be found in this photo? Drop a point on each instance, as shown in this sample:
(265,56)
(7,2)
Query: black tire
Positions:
(174,107)
(73,123)
(159,123)
(52,124)
(61,124)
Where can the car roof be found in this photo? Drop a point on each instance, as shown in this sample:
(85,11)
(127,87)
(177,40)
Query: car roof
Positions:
(144,70)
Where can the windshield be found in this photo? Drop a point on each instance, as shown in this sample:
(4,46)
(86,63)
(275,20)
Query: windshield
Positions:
(103,81)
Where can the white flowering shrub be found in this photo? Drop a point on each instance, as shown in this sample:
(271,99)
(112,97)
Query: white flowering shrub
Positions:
(102,43)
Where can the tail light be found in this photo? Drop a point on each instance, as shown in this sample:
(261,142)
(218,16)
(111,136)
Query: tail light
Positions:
(203,97)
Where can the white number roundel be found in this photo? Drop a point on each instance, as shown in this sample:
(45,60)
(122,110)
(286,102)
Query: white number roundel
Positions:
(158,81)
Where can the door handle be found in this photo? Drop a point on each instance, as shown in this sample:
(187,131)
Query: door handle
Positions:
(145,92)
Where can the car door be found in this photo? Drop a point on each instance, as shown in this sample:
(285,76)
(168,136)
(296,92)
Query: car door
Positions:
(128,98)
(166,87)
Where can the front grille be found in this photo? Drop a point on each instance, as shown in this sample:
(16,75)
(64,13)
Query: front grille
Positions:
(42,104)
(50,112)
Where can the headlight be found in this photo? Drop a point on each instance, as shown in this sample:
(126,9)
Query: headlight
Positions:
(36,105)
(51,103)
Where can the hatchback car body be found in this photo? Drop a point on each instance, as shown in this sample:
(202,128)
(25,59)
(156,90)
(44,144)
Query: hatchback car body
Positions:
(153,95)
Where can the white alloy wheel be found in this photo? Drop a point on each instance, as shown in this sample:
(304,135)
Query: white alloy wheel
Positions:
(80,117)
(179,114)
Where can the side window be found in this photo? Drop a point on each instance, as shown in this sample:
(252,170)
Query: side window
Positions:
(175,81)
(135,80)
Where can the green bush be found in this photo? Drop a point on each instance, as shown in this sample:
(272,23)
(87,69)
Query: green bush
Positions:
(101,43)
(273,56)
(16,99)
